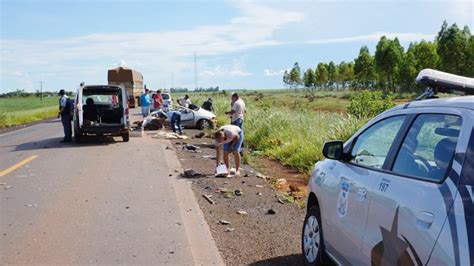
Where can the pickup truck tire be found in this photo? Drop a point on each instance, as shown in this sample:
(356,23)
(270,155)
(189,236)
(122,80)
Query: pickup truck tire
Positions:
(126,137)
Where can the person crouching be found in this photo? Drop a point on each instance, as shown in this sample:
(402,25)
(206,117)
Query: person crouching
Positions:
(229,138)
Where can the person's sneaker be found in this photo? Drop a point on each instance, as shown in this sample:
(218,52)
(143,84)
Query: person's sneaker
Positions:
(66,140)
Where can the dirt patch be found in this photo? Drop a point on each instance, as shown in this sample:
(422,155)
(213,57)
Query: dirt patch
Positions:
(253,234)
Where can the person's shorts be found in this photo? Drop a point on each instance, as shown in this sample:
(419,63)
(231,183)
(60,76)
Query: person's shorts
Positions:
(238,122)
(236,147)
(145,111)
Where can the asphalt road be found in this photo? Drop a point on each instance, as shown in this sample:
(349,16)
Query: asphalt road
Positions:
(100,202)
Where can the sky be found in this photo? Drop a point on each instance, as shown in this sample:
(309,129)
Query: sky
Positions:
(230,44)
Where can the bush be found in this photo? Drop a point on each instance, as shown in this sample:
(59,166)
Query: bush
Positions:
(367,104)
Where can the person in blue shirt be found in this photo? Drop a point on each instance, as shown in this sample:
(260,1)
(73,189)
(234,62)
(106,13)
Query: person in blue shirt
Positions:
(145,101)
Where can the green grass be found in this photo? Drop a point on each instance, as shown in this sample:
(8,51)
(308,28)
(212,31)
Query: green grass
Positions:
(21,110)
(288,126)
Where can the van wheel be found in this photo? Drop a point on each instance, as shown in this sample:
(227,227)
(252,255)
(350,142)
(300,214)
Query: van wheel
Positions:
(126,137)
(312,237)
(203,124)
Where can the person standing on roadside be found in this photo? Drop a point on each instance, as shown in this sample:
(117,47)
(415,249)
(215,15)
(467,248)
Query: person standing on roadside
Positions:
(237,111)
(157,100)
(145,102)
(65,114)
(229,138)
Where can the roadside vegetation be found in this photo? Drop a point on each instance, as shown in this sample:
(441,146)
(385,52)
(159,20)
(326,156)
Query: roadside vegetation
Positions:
(16,111)
(291,127)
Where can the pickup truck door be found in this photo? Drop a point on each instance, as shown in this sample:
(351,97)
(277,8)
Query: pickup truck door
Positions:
(346,190)
(410,202)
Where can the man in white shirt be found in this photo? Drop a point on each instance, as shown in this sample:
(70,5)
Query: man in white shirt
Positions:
(185,101)
(229,138)
(237,111)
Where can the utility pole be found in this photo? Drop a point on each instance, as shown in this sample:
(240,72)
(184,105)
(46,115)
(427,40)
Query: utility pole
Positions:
(195,71)
(172,80)
(41,90)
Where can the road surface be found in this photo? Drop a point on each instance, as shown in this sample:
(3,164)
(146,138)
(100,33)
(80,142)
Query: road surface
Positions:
(101,202)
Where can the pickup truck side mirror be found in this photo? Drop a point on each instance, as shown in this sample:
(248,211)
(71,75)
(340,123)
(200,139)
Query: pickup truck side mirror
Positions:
(333,150)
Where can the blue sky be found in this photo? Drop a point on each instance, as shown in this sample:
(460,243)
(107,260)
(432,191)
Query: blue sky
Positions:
(239,44)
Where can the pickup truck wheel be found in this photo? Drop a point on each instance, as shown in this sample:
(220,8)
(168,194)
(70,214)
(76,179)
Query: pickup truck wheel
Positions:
(203,124)
(126,137)
(312,237)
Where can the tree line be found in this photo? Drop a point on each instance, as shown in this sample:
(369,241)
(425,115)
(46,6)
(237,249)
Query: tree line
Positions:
(391,68)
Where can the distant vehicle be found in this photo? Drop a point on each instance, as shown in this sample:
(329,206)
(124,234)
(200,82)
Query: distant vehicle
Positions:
(194,118)
(167,101)
(400,191)
(101,110)
(130,79)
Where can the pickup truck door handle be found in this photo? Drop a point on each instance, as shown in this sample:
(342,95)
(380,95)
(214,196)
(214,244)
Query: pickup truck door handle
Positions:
(424,220)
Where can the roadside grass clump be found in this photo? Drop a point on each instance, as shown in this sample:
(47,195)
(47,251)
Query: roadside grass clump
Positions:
(27,116)
(369,103)
(295,138)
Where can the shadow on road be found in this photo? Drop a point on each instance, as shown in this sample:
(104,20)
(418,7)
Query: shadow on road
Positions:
(294,259)
(54,143)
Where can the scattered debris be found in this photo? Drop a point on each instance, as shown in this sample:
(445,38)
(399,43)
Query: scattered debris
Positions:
(31,205)
(128,207)
(212,157)
(8,187)
(294,188)
(242,212)
(136,132)
(229,229)
(259,194)
(179,223)
(237,192)
(281,181)
(170,175)
(190,173)
(190,147)
(246,175)
(3,184)
(281,201)
(208,198)
(224,222)
(271,211)
(259,186)
(221,170)
(200,135)
(262,176)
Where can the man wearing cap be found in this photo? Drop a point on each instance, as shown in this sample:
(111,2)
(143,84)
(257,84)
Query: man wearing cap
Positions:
(65,113)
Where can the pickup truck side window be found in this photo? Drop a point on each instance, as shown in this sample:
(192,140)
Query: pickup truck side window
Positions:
(372,146)
(428,149)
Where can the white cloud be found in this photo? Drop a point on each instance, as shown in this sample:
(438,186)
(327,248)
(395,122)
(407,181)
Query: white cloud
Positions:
(271,73)
(162,52)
